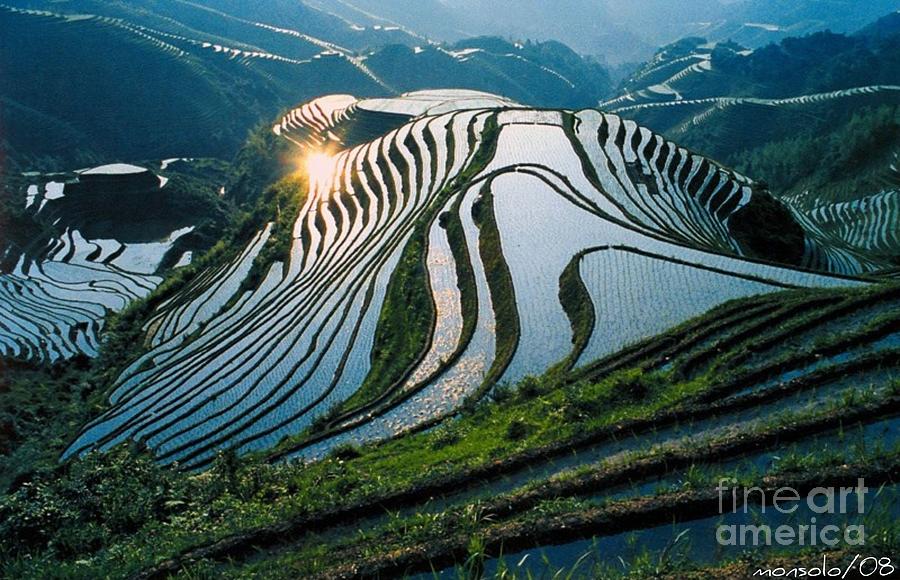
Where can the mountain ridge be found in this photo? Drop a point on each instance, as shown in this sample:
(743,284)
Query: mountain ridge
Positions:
(202,74)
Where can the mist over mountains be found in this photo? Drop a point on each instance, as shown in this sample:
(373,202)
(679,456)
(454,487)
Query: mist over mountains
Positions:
(616,30)
(131,79)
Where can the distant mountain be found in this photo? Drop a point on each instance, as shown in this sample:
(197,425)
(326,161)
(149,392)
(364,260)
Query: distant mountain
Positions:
(817,118)
(616,30)
(156,79)
(586,25)
(731,102)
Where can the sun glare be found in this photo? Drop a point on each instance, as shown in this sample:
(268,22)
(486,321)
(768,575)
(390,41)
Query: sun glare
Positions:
(319,167)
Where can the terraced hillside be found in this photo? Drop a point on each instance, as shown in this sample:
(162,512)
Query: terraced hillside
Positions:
(795,115)
(138,79)
(725,99)
(620,457)
(79,246)
(475,243)
(866,226)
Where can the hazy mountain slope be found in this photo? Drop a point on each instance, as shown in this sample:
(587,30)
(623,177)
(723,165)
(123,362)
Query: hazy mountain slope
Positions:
(795,114)
(617,30)
(431,18)
(234,20)
(213,75)
(759,22)
(301,16)
(548,74)
(753,23)
(586,25)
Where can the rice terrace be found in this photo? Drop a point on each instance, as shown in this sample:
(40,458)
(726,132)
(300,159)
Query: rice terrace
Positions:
(358,289)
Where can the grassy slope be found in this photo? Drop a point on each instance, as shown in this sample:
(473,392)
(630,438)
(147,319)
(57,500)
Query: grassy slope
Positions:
(503,296)
(404,325)
(184,509)
(576,302)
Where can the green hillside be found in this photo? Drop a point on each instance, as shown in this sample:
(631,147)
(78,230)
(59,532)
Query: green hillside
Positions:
(447,246)
(766,111)
(289,290)
(164,79)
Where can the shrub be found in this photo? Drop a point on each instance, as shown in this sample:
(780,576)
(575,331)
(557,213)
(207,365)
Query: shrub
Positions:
(225,470)
(517,430)
(636,385)
(529,388)
(444,436)
(636,390)
(83,505)
(502,393)
(582,408)
(345,451)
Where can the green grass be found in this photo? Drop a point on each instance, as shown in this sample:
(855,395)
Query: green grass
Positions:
(499,280)
(577,304)
(40,410)
(465,276)
(197,508)
(470,518)
(404,326)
